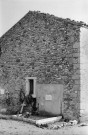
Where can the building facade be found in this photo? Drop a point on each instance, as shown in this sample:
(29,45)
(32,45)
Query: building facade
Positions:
(46,54)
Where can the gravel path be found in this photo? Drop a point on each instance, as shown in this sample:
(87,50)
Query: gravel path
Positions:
(10,127)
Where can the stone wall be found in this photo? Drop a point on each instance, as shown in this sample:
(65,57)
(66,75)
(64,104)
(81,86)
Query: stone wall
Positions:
(46,47)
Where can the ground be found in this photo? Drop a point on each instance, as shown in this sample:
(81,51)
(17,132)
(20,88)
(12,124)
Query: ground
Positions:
(11,127)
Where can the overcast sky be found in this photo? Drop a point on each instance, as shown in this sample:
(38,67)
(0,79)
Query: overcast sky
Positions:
(11,11)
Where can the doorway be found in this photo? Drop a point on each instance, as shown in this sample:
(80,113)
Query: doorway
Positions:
(30,86)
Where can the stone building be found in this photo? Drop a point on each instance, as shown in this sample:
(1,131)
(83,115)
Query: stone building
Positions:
(48,55)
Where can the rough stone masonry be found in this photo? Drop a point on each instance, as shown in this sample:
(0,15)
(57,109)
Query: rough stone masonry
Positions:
(48,48)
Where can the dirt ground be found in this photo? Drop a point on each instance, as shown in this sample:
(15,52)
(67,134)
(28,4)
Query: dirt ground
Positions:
(11,127)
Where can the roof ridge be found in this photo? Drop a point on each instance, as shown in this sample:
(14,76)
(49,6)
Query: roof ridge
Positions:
(80,23)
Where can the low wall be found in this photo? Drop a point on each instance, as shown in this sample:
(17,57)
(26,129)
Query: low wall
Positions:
(50,98)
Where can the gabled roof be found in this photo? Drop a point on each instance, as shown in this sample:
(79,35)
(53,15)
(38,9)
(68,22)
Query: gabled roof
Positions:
(48,16)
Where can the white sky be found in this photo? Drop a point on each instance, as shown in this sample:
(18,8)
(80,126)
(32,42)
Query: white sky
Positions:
(11,11)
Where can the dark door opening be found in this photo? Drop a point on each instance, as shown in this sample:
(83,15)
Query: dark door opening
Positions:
(31,86)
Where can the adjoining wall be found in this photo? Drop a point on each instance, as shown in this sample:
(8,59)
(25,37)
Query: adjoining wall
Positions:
(84,74)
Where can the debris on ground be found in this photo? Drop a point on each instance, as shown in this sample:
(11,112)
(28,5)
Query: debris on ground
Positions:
(53,123)
(56,126)
(83,124)
(73,122)
(60,124)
